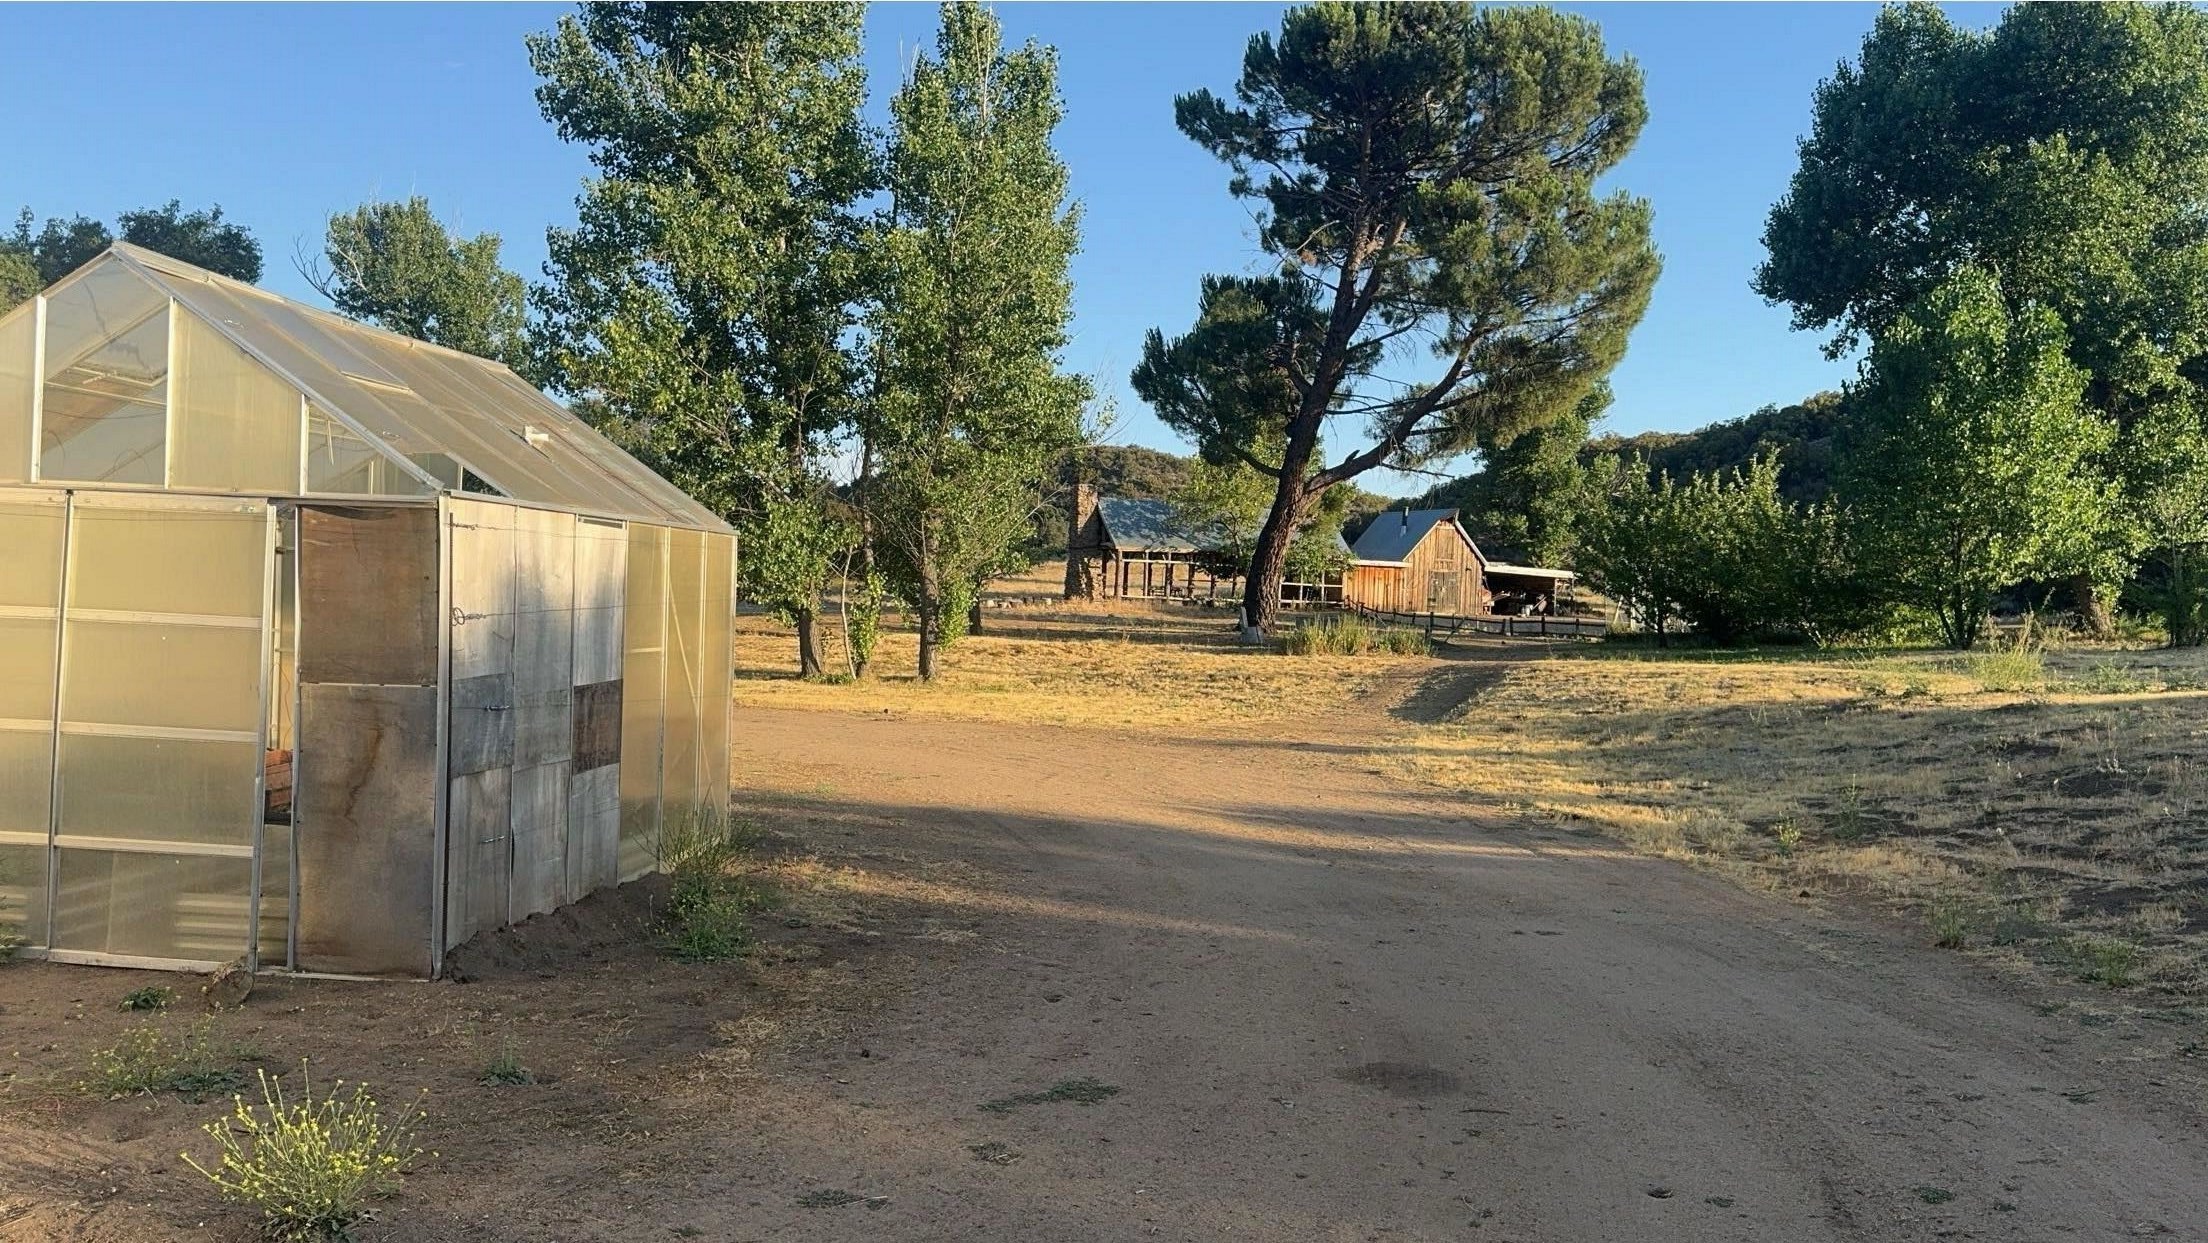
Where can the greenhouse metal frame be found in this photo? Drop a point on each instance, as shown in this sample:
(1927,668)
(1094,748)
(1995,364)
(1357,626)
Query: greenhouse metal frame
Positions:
(325,648)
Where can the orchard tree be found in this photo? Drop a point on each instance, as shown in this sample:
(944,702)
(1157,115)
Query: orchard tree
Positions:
(394,265)
(1427,179)
(704,306)
(971,413)
(1970,464)
(1633,542)
(2065,153)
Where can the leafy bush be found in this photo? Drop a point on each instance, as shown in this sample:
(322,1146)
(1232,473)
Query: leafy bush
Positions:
(312,1167)
(147,1060)
(709,905)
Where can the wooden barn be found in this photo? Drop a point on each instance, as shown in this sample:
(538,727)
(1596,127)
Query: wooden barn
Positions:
(1422,561)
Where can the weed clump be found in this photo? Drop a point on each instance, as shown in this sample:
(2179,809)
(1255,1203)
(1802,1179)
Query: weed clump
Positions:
(506,1070)
(154,998)
(709,903)
(312,1167)
(2107,960)
(148,1059)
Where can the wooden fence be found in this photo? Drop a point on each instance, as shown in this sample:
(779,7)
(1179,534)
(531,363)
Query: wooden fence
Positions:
(1506,627)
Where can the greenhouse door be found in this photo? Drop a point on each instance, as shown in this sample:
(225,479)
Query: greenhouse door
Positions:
(162,731)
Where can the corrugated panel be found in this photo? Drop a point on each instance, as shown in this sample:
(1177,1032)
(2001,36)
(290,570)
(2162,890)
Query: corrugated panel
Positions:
(643,693)
(540,840)
(365,794)
(593,829)
(385,634)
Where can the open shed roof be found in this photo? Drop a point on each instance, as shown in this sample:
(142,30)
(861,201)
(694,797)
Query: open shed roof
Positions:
(436,420)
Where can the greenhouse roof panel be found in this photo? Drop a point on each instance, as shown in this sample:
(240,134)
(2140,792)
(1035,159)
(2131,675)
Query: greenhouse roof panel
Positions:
(422,403)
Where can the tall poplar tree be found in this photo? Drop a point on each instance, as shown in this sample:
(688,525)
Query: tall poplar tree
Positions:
(397,266)
(703,307)
(971,410)
(1426,173)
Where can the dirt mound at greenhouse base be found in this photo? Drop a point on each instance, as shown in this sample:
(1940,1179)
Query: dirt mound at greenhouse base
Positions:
(620,922)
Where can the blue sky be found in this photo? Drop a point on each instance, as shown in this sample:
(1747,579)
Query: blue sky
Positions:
(287,114)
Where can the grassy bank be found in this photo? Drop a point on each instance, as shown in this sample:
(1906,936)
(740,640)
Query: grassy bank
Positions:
(2046,806)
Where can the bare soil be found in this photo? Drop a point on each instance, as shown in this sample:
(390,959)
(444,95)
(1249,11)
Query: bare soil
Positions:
(1060,983)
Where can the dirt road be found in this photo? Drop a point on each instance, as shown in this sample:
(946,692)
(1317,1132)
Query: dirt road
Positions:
(1336,1007)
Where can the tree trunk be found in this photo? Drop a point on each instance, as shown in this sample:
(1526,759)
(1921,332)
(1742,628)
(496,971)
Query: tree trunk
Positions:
(973,615)
(929,606)
(1269,559)
(808,645)
(2092,608)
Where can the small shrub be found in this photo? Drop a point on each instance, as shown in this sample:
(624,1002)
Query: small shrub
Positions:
(312,1167)
(506,1069)
(1955,920)
(154,998)
(1786,835)
(1397,641)
(147,1060)
(2107,960)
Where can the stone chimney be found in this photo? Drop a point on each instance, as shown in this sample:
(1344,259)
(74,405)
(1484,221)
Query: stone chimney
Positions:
(1082,542)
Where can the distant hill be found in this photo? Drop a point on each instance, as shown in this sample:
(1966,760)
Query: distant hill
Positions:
(1801,432)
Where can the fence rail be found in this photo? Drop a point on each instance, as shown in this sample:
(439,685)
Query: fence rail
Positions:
(1507,627)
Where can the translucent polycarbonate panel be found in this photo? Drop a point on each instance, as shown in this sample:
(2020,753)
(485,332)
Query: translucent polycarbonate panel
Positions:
(203,559)
(104,417)
(275,895)
(593,445)
(164,676)
(18,385)
(23,893)
(686,660)
(26,668)
(235,425)
(26,777)
(716,645)
(191,908)
(340,462)
(643,679)
(180,790)
(30,549)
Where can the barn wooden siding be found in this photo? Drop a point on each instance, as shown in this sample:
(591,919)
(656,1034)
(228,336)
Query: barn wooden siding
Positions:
(1442,574)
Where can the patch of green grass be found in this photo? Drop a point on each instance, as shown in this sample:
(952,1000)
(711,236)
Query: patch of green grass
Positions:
(709,903)
(2107,960)
(1082,1091)
(152,998)
(2007,669)
(150,1059)
(1934,1195)
(1351,635)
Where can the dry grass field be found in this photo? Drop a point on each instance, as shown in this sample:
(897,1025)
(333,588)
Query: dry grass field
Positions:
(1109,664)
(2045,808)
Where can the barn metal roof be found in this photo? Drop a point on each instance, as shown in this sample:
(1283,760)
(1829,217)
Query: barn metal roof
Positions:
(1131,523)
(431,411)
(1392,535)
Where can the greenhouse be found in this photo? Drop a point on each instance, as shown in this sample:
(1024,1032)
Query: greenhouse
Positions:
(323,647)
